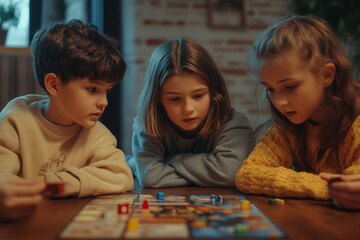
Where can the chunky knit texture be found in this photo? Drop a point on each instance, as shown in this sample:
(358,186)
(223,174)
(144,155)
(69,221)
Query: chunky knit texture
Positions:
(269,168)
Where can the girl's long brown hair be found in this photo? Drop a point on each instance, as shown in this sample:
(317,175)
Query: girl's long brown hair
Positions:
(317,45)
(174,57)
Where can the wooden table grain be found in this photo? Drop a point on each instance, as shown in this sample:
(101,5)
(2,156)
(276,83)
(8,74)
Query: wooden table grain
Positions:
(299,218)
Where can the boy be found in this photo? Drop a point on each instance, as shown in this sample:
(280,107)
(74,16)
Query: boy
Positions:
(57,138)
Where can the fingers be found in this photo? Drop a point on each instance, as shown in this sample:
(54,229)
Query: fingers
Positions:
(349,186)
(13,206)
(346,195)
(354,177)
(328,177)
(22,201)
(340,177)
(24,187)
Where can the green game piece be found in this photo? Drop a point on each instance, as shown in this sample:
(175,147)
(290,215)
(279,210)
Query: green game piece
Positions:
(241,229)
(272,201)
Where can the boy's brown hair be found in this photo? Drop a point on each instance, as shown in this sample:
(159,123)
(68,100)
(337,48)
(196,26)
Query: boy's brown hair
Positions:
(76,50)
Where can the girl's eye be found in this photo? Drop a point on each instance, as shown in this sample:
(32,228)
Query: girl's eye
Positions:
(269,90)
(198,95)
(291,87)
(174,99)
(93,89)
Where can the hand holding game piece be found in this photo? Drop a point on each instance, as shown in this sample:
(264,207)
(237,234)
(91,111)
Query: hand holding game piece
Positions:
(19,197)
(344,190)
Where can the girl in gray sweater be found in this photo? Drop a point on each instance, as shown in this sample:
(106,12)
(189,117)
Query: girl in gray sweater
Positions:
(186,132)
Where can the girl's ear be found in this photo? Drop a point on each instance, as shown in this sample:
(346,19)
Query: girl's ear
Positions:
(52,82)
(328,74)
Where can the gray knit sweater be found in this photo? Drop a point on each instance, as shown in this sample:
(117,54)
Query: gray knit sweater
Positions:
(171,160)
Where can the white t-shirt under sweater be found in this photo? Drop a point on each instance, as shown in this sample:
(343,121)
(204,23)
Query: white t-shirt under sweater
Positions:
(86,159)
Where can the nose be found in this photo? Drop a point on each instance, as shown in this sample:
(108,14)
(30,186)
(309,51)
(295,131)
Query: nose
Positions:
(188,106)
(102,102)
(280,101)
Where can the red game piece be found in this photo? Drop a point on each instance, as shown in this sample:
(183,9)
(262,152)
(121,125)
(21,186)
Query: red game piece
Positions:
(54,188)
(123,208)
(145,204)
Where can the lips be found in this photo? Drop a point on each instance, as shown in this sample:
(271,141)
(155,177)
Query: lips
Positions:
(189,120)
(289,114)
(96,114)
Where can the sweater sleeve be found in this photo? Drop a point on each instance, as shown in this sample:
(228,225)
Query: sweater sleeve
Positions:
(351,154)
(148,161)
(106,171)
(268,171)
(231,146)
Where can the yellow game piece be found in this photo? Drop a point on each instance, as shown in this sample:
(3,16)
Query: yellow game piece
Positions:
(133,224)
(245,205)
(276,201)
(280,201)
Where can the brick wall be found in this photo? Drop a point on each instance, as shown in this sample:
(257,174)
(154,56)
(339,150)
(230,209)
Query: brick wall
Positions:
(147,23)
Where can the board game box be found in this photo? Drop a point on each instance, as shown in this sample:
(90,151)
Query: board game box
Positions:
(132,216)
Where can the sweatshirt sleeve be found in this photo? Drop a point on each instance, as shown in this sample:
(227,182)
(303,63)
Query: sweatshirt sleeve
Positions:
(9,149)
(10,155)
(150,168)
(231,147)
(106,171)
(268,171)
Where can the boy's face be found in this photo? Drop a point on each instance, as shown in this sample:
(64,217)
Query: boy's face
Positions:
(79,101)
(186,100)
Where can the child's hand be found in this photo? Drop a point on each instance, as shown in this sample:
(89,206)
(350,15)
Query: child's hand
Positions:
(19,197)
(344,190)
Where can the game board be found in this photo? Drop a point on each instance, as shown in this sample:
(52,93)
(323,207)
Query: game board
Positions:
(180,217)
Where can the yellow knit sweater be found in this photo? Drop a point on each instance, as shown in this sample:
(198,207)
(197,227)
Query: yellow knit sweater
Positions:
(268,169)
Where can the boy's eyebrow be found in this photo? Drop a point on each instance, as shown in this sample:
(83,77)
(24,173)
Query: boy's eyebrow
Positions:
(101,83)
(196,90)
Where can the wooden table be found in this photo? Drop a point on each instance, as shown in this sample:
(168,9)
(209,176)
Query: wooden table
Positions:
(299,218)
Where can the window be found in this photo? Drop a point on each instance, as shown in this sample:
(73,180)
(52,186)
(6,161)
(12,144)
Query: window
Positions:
(18,36)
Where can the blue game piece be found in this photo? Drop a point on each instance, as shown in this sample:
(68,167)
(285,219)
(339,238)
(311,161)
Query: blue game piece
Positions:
(160,196)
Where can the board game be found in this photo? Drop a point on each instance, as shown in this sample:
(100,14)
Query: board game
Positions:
(142,216)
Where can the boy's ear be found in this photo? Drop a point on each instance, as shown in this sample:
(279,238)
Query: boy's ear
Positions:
(328,74)
(52,82)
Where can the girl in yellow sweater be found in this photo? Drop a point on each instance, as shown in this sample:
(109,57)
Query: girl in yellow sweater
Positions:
(313,98)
